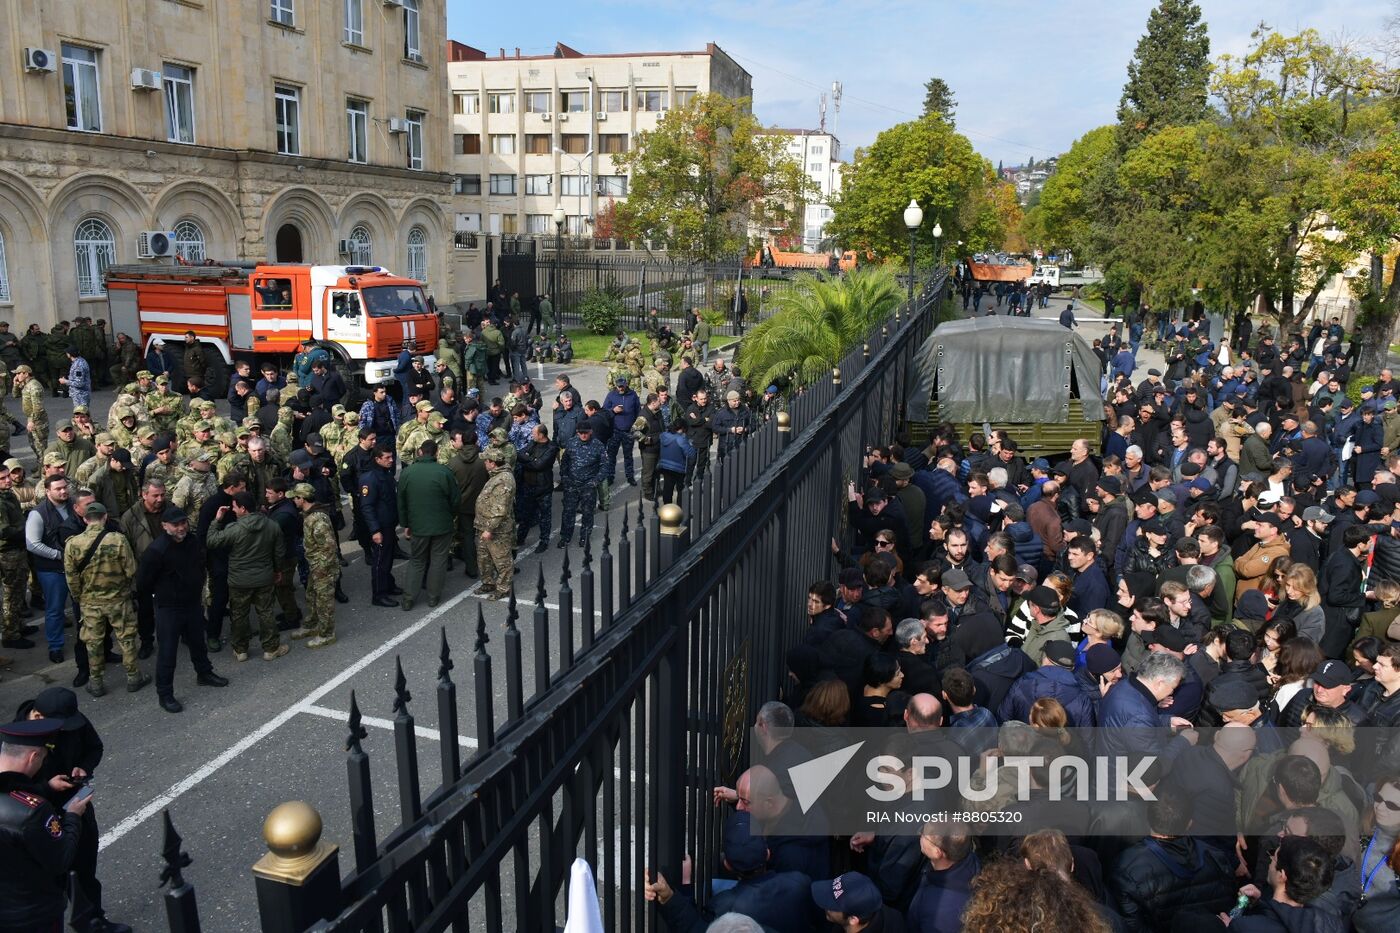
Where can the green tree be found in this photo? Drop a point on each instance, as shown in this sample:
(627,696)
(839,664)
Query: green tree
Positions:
(705,175)
(939,100)
(1067,212)
(816,322)
(1168,75)
(928,161)
(1367,196)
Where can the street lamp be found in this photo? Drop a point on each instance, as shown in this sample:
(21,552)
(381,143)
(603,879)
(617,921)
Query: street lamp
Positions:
(913,218)
(937,242)
(558,250)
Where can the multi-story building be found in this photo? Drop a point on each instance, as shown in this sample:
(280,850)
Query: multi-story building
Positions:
(538,131)
(294,130)
(819,154)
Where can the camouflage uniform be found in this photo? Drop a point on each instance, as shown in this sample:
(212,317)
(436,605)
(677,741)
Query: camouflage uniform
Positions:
(234,459)
(194,489)
(500,439)
(32,407)
(8,423)
(167,473)
(281,435)
(14,566)
(103,590)
(411,435)
(495,512)
(164,408)
(437,435)
(323,560)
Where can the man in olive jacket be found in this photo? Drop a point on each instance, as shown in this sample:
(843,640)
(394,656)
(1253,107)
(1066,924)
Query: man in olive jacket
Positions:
(470,472)
(255,547)
(428,499)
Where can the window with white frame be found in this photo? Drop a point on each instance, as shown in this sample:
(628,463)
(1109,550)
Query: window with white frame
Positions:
(814,166)
(4,272)
(500,103)
(573,186)
(179,103)
(81,98)
(538,184)
(94,249)
(361,246)
(355,22)
(503,143)
(613,101)
(684,96)
(537,102)
(288,118)
(537,223)
(503,184)
(189,241)
(414,136)
(466,103)
(651,101)
(357,129)
(573,101)
(282,12)
(576,225)
(467,184)
(818,150)
(418,254)
(412,36)
(612,186)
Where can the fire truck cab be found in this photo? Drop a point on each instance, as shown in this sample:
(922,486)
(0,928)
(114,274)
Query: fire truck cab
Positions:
(364,315)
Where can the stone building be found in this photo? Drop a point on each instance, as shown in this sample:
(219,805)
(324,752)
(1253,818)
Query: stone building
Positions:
(293,130)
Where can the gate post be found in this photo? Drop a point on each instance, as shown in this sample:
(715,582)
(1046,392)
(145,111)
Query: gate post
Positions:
(298,880)
(675,536)
(784,430)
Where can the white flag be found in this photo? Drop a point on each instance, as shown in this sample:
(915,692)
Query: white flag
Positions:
(584,915)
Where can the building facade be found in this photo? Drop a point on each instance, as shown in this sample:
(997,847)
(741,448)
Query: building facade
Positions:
(530,133)
(292,130)
(819,154)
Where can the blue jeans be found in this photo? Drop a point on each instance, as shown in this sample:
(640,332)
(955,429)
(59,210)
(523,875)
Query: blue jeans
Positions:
(55,587)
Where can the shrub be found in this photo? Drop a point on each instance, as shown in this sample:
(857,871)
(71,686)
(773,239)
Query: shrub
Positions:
(601,312)
(1358,383)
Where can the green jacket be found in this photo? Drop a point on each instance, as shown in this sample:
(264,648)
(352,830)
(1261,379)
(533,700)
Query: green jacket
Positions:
(255,546)
(428,498)
(474,358)
(546,312)
(1038,636)
(493,338)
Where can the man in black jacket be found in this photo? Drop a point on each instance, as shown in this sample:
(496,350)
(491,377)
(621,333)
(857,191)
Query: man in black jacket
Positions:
(217,561)
(699,430)
(172,569)
(688,382)
(536,489)
(1342,586)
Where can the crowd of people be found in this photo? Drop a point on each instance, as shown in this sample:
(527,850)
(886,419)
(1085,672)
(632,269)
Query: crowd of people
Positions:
(1216,579)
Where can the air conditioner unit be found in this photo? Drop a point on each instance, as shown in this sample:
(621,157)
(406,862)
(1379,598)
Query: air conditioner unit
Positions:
(40,60)
(398,125)
(345,246)
(563,118)
(397,3)
(601,115)
(155,244)
(144,79)
(546,117)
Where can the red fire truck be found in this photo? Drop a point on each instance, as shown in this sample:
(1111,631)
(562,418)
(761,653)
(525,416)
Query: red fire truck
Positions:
(364,315)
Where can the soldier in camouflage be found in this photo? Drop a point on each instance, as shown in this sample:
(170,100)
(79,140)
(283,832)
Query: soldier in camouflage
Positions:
(231,457)
(323,559)
(32,408)
(165,467)
(201,441)
(197,485)
(101,569)
(124,425)
(14,566)
(105,445)
(495,527)
(412,433)
(72,448)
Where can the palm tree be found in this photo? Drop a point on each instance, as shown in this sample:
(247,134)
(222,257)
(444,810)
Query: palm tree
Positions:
(816,322)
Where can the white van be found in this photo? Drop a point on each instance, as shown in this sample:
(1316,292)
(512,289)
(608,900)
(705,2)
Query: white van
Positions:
(1046,275)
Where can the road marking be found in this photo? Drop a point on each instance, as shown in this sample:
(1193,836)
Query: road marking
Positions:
(234,751)
(423,732)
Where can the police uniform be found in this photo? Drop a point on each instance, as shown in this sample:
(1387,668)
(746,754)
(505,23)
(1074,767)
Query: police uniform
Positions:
(379,508)
(38,843)
(581,471)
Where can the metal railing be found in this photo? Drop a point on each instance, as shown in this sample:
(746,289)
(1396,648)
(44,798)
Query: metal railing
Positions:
(634,703)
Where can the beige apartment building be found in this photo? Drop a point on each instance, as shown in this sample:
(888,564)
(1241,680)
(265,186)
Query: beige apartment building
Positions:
(533,132)
(819,154)
(294,130)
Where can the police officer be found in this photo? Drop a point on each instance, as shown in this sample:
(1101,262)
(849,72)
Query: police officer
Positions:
(172,569)
(380,510)
(581,472)
(38,844)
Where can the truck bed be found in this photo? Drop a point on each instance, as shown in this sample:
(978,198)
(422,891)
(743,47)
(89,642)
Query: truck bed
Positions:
(1050,440)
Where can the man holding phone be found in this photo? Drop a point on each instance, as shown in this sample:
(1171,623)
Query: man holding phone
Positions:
(38,843)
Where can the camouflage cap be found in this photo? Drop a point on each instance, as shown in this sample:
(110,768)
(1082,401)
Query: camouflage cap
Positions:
(81,410)
(497,453)
(163,380)
(146,431)
(350,417)
(202,457)
(122,411)
(424,405)
(250,422)
(436,420)
(293,379)
(245,431)
(337,409)
(207,405)
(12,464)
(64,425)
(145,374)
(54,458)
(498,434)
(23,368)
(104,438)
(4,370)
(203,425)
(95,510)
(302,491)
(228,438)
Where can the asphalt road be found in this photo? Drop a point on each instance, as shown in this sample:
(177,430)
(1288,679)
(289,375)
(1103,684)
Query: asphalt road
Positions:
(277,732)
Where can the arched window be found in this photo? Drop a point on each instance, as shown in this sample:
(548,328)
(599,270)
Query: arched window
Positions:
(4,271)
(361,246)
(418,254)
(189,241)
(95,248)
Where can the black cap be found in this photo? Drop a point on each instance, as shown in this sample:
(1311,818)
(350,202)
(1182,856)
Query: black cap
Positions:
(1061,653)
(1155,527)
(1145,496)
(122,456)
(1042,597)
(1227,694)
(1331,674)
(1170,638)
(1155,372)
(174,515)
(32,733)
(743,849)
(60,704)
(1110,484)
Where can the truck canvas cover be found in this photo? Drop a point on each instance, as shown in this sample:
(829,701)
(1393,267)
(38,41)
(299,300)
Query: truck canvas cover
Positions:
(1006,369)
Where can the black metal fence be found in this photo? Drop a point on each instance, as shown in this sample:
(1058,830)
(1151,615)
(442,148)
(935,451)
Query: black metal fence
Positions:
(642,684)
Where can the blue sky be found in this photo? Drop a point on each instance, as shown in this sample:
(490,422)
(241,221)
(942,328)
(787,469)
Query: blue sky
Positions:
(1029,77)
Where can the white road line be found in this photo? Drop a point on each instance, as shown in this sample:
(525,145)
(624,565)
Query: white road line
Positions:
(236,750)
(423,732)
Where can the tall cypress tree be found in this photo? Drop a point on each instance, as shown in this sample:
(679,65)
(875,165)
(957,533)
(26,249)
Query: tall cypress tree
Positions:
(1168,75)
